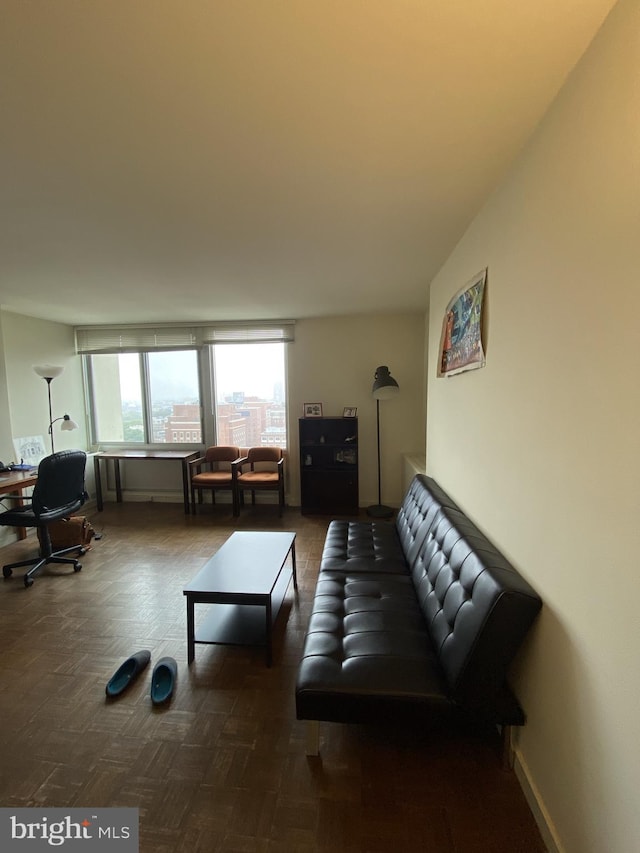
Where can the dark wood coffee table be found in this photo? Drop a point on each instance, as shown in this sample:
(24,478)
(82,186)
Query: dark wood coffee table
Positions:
(246,582)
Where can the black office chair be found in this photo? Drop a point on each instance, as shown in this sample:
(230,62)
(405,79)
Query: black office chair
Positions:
(58,493)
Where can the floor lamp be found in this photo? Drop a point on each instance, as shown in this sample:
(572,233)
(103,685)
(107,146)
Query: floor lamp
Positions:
(49,372)
(384,387)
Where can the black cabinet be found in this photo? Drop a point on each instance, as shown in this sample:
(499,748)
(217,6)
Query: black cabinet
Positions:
(329,465)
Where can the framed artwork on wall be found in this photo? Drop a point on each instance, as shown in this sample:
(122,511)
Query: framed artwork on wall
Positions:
(349,412)
(461,346)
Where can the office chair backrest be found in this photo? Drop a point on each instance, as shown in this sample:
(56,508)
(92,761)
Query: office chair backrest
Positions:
(60,483)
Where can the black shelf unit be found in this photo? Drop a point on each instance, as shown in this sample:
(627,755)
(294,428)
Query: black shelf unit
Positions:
(329,465)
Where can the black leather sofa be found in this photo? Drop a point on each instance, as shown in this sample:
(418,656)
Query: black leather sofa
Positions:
(415,620)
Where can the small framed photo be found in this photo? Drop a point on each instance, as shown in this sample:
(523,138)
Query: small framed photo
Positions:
(312,410)
(350,412)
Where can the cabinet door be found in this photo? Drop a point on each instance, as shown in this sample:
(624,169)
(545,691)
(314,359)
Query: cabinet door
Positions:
(329,491)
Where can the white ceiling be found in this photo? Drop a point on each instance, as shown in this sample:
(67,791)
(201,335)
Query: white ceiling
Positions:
(164,160)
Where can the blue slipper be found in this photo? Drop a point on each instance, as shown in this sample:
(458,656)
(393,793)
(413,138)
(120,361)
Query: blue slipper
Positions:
(127,673)
(163,680)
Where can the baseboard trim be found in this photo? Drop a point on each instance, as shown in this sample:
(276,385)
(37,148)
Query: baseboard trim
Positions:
(133,496)
(142,496)
(536,804)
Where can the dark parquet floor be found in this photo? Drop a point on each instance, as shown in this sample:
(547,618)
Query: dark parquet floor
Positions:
(223,767)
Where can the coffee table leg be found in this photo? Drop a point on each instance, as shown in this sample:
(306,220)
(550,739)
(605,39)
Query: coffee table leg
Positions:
(191,645)
(293,564)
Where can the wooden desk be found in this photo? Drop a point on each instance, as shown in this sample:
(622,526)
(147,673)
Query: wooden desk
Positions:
(18,481)
(182,456)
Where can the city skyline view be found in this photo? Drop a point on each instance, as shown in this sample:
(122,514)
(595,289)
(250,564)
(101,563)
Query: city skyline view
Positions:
(248,397)
(257,370)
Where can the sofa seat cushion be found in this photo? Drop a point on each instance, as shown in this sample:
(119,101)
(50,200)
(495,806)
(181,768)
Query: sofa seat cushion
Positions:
(367,655)
(385,546)
(363,546)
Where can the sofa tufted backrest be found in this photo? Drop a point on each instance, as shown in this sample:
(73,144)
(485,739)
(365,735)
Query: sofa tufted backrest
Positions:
(419,509)
(478,608)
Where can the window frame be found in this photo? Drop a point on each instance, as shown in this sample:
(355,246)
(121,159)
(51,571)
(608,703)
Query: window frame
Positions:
(212,385)
(147,416)
(207,389)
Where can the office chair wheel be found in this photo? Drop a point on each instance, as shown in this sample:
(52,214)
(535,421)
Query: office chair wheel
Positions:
(77,566)
(6,572)
(28,581)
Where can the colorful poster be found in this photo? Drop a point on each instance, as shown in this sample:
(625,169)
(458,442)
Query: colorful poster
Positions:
(461,339)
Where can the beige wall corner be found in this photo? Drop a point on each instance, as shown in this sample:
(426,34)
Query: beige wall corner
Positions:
(541,445)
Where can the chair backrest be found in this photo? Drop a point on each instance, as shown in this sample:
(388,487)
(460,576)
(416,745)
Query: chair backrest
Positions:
(60,484)
(221,453)
(264,454)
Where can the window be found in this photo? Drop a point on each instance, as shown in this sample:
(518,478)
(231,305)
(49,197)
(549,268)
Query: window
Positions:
(150,398)
(250,398)
(218,383)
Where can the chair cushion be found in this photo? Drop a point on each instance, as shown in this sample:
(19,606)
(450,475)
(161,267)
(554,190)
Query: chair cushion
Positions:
(258,478)
(212,478)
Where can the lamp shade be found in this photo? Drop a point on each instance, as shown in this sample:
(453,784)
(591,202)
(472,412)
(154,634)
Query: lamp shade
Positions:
(384,385)
(68,423)
(48,371)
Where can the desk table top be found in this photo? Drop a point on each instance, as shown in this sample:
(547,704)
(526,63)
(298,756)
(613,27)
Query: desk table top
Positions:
(147,454)
(17,480)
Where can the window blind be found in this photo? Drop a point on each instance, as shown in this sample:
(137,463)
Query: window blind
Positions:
(93,340)
(264,333)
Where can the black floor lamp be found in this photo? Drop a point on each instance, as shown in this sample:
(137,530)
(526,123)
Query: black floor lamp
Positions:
(384,387)
(49,372)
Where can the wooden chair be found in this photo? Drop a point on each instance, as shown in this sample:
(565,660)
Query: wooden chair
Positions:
(214,471)
(262,469)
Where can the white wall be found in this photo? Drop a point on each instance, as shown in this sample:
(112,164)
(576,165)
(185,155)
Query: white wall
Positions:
(26,341)
(333,362)
(6,442)
(541,447)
